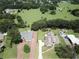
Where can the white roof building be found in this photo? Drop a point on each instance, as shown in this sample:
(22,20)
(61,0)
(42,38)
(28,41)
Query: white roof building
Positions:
(73,39)
(11,11)
(27,36)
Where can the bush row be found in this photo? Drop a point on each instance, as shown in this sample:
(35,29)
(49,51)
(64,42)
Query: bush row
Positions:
(56,23)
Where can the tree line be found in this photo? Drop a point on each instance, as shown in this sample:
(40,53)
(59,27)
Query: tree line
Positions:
(56,23)
(67,51)
(44,5)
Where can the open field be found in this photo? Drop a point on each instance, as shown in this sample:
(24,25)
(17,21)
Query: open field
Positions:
(33,15)
(50,55)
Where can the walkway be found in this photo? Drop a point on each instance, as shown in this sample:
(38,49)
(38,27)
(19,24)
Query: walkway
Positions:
(32,46)
(41,44)
(20,50)
(48,50)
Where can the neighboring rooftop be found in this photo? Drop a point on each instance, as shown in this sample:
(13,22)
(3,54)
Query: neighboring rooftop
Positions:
(49,39)
(11,11)
(26,35)
(73,39)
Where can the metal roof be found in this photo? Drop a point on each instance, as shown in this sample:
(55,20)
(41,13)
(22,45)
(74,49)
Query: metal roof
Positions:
(26,35)
(73,39)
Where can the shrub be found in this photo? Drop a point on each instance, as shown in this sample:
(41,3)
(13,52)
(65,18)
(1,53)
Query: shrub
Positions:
(43,10)
(26,48)
(75,12)
(53,12)
(64,51)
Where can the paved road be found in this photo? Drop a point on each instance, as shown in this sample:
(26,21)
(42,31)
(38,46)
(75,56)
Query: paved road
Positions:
(33,45)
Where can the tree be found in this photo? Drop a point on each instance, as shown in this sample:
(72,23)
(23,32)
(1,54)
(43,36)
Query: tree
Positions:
(43,9)
(21,23)
(6,24)
(26,48)
(75,1)
(75,12)
(56,23)
(51,7)
(77,49)
(15,35)
(64,51)
(39,24)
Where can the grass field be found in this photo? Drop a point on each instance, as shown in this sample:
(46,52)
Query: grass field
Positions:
(50,55)
(10,53)
(33,15)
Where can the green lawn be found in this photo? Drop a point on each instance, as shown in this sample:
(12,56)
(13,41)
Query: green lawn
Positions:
(50,55)
(26,55)
(33,15)
(10,53)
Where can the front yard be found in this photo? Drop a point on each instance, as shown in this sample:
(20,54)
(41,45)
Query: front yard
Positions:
(10,53)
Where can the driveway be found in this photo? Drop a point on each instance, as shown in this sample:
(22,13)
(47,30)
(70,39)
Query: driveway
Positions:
(33,46)
(41,44)
(20,50)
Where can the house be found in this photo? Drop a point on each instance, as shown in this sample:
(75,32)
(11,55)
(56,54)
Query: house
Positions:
(27,36)
(49,39)
(10,11)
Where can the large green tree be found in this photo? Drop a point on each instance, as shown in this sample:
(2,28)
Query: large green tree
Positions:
(15,35)
(26,48)
(64,51)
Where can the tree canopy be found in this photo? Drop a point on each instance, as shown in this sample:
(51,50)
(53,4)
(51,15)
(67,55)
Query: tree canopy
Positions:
(26,48)
(64,51)
(56,23)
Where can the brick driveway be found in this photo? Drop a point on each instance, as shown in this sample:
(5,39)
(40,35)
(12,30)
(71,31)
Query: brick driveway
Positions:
(33,46)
